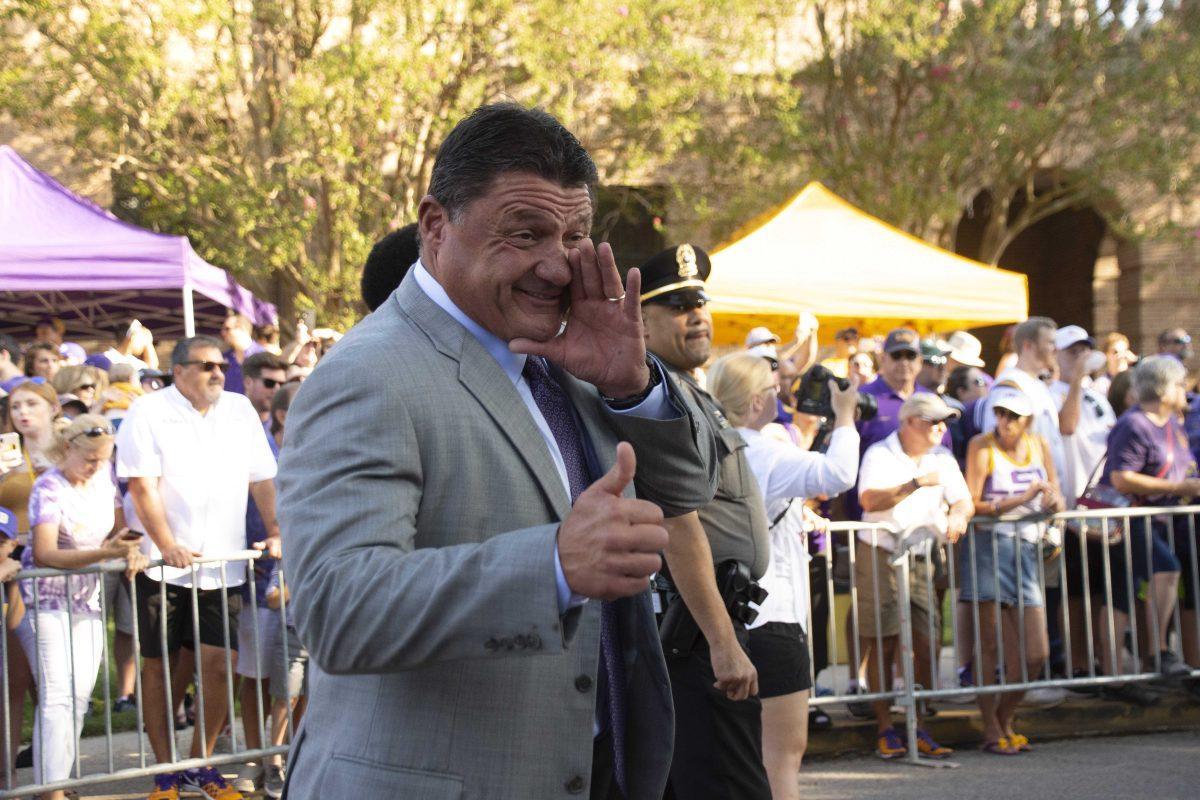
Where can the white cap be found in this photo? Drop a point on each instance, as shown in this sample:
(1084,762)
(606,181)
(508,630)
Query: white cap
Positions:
(766,351)
(965,349)
(1068,335)
(760,335)
(1009,396)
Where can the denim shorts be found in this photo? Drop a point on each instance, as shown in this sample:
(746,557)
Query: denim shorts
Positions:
(1150,553)
(999,572)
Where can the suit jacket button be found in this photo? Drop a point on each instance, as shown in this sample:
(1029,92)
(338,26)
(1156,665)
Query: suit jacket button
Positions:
(575,785)
(583,683)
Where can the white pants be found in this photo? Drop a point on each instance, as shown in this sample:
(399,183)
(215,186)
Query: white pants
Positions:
(61,706)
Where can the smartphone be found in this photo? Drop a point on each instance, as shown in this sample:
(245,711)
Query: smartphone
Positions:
(10,442)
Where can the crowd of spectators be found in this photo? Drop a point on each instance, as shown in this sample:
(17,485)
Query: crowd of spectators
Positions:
(111,452)
(106,456)
(1065,418)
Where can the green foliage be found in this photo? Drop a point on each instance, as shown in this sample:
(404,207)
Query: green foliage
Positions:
(912,109)
(285,137)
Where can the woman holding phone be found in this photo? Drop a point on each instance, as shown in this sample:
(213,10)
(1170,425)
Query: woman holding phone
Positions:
(75,513)
(32,408)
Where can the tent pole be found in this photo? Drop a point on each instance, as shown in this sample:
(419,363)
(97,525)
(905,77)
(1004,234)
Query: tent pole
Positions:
(189,313)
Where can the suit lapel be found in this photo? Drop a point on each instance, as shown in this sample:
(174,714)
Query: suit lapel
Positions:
(479,373)
(483,378)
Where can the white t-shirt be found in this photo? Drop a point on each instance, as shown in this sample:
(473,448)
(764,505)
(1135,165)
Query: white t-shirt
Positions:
(885,465)
(783,471)
(1086,447)
(204,463)
(115,356)
(1045,412)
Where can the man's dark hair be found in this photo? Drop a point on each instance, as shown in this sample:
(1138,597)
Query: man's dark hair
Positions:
(387,264)
(31,354)
(506,137)
(9,345)
(184,347)
(254,365)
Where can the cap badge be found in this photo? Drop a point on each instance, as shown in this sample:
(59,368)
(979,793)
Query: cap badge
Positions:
(685,257)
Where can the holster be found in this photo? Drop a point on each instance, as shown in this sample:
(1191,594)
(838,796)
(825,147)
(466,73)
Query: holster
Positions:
(677,628)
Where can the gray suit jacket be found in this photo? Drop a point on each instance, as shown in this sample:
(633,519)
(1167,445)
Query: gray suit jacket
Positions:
(419,507)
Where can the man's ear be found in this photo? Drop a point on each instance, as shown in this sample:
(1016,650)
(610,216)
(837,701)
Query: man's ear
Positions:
(432,219)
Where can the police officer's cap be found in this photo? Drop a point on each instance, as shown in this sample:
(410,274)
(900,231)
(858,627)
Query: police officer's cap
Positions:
(676,276)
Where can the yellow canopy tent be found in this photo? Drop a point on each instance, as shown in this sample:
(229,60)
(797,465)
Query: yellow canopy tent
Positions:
(821,254)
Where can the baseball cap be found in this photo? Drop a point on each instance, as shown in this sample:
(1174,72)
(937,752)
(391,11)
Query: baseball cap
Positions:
(934,351)
(1068,335)
(760,335)
(928,406)
(1008,396)
(768,352)
(8,523)
(902,339)
(72,350)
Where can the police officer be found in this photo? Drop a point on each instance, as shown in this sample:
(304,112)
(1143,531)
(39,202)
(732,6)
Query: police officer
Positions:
(718,723)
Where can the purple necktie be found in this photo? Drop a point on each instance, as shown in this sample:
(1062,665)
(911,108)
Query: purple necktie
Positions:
(556,409)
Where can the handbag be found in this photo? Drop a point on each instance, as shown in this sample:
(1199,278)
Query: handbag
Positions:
(1100,496)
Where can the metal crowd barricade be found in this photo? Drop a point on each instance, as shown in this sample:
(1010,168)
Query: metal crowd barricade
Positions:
(110,770)
(1099,623)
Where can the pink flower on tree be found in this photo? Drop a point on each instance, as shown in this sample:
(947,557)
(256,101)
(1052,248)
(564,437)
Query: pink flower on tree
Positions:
(1014,104)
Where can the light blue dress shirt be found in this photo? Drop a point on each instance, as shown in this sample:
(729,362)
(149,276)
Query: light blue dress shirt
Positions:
(656,406)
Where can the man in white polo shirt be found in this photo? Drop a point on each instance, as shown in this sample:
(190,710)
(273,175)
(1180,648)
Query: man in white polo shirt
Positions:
(189,452)
(910,481)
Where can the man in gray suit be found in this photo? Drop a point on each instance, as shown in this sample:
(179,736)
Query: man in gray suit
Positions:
(468,564)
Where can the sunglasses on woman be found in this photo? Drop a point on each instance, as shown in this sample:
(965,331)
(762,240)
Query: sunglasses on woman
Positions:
(85,387)
(94,433)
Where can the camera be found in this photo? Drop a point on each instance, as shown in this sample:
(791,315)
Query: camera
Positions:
(813,396)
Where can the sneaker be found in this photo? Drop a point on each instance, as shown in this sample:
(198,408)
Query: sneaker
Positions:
(860,709)
(926,746)
(273,782)
(1133,693)
(210,784)
(24,758)
(890,745)
(125,703)
(1172,666)
(248,777)
(166,787)
(1044,697)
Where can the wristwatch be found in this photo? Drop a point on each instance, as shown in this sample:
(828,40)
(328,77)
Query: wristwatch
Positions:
(630,402)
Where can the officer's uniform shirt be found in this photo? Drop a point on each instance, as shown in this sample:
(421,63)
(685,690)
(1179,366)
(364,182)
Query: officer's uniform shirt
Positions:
(736,519)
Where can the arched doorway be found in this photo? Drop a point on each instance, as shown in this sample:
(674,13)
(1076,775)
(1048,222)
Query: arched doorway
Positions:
(1070,258)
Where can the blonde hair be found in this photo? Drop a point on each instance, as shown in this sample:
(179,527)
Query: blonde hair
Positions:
(72,376)
(734,380)
(68,433)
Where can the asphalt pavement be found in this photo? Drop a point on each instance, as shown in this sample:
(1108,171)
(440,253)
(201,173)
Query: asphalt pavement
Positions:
(1163,766)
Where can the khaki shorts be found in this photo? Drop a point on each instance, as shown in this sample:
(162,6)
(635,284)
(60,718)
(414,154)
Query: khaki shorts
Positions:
(881,591)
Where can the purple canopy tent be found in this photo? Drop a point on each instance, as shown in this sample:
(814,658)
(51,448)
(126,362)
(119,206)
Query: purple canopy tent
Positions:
(65,256)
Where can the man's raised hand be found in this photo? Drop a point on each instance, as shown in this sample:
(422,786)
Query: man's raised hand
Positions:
(603,343)
(609,545)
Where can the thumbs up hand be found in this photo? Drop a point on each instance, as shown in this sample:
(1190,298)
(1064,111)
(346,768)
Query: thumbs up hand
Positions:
(609,545)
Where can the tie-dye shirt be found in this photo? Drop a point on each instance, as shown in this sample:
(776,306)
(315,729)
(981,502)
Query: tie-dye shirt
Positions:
(84,516)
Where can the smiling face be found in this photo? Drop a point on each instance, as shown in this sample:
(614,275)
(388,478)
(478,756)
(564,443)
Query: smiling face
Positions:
(503,260)
(681,337)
